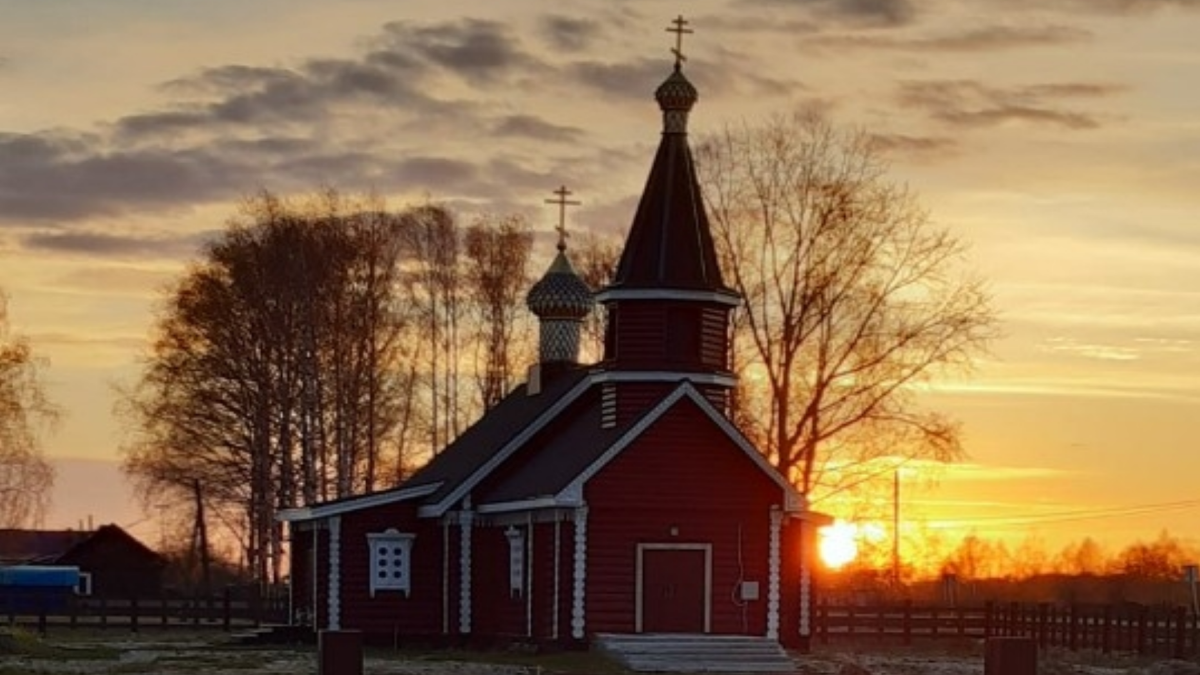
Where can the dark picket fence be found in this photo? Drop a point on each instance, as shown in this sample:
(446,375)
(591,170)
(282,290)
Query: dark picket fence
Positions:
(232,609)
(1161,631)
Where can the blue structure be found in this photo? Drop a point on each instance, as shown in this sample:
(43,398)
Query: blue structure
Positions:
(31,589)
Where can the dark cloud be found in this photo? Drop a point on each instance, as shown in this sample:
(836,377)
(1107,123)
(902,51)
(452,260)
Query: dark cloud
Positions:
(531,126)
(1115,7)
(989,38)
(436,174)
(568,33)
(479,51)
(627,80)
(914,148)
(859,12)
(115,246)
(54,176)
(969,103)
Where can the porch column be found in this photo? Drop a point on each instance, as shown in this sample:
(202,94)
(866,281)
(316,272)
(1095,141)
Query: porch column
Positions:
(465,521)
(580,574)
(335,573)
(773,566)
(807,550)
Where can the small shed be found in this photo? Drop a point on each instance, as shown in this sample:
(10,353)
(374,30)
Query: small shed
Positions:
(116,563)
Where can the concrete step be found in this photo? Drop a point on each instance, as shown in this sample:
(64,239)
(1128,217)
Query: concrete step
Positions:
(688,653)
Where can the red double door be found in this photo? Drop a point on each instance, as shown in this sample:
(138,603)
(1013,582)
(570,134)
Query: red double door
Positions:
(674,589)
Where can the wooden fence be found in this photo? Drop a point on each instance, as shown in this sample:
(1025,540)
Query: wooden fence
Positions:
(1162,631)
(227,611)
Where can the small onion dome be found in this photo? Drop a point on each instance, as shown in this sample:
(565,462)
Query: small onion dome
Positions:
(676,93)
(560,294)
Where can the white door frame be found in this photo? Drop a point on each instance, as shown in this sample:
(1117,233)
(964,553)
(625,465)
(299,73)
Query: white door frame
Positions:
(639,588)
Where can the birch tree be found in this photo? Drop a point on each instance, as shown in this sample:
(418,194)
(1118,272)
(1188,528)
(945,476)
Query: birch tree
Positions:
(25,475)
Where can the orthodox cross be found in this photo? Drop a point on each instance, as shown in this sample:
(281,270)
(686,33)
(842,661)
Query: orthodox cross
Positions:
(679,30)
(563,203)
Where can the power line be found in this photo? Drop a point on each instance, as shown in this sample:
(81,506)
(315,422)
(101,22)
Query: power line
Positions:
(1080,514)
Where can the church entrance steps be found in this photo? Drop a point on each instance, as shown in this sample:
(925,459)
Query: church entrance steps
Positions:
(691,653)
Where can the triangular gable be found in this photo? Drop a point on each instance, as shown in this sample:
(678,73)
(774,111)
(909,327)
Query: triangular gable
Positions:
(573,493)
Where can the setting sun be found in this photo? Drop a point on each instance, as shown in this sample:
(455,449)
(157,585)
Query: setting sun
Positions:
(838,544)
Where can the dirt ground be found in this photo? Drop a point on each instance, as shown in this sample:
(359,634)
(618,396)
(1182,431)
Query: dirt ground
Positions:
(172,654)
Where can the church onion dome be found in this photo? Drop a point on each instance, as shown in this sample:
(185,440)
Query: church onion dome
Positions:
(676,92)
(560,294)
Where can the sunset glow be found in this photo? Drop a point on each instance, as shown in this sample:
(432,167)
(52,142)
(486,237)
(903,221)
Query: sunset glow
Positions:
(1058,140)
(838,544)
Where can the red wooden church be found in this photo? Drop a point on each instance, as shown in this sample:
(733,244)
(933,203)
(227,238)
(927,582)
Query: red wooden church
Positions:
(608,498)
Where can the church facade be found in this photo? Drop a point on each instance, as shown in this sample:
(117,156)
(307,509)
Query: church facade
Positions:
(615,497)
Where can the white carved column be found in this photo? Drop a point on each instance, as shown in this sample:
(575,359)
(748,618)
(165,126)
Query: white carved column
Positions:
(580,574)
(465,521)
(773,565)
(335,573)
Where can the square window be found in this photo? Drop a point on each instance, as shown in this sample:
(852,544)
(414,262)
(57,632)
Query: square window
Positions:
(390,551)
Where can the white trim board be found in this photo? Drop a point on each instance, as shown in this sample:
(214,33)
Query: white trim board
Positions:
(671,376)
(356,503)
(727,298)
(639,588)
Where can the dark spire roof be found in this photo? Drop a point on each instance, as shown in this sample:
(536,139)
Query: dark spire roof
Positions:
(669,244)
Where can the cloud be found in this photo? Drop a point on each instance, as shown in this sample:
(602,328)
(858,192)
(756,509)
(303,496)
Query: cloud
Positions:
(869,12)
(1116,7)
(569,34)
(531,126)
(918,148)
(625,80)
(479,51)
(989,38)
(116,246)
(969,103)
(65,176)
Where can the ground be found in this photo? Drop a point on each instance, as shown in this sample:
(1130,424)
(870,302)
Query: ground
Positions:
(173,653)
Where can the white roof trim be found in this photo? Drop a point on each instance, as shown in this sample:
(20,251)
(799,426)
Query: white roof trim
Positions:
(672,376)
(549,414)
(547,502)
(357,503)
(609,294)
(794,500)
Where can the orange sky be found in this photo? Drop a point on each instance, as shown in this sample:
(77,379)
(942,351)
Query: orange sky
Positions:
(1060,138)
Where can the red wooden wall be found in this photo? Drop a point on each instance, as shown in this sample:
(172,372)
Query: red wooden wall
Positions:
(685,473)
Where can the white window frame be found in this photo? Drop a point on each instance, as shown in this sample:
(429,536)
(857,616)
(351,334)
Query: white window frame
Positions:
(516,561)
(398,554)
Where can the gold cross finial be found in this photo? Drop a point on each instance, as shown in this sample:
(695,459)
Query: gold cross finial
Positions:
(678,29)
(563,203)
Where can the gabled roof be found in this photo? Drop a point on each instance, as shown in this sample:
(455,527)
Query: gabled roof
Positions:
(460,465)
(571,450)
(104,538)
(37,546)
(63,547)
(555,476)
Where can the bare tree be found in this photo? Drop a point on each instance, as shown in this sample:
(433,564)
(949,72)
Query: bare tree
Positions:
(25,475)
(497,276)
(595,260)
(853,300)
(433,288)
(269,380)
